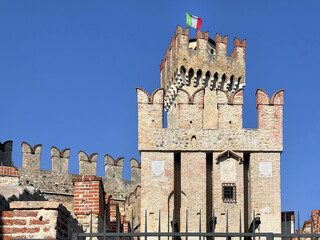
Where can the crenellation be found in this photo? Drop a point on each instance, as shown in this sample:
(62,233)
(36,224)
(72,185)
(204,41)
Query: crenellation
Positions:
(31,156)
(87,164)
(6,153)
(60,160)
(113,168)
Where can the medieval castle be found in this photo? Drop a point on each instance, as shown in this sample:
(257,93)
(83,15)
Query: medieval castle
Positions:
(202,161)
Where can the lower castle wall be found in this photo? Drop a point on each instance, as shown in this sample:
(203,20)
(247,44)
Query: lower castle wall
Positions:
(37,220)
(59,187)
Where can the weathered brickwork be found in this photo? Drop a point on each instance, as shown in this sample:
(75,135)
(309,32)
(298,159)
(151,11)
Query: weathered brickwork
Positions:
(47,220)
(133,207)
(204,156)
(89,198)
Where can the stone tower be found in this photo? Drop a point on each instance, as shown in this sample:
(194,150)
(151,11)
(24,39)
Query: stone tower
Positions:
(204,161)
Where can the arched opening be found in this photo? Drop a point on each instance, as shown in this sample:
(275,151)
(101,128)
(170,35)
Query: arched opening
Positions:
(197,78)
(181,76)
(214,81)
(190,76)
(223,81)
(231,84)
(238,83)
(182,70)
(206,79)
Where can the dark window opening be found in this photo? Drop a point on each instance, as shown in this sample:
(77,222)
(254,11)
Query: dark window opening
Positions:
(177,187)
(209,186)
(246,177)
(229,193)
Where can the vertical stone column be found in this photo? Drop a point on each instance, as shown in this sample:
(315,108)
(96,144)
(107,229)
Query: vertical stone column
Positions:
(193,189)
(265,196)
(228,171)
(156,189)
(89,196)
(210,111)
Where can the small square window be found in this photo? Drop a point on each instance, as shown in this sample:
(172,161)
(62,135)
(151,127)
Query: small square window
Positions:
(229,192)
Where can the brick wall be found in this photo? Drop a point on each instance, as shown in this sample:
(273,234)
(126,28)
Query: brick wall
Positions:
(89,197)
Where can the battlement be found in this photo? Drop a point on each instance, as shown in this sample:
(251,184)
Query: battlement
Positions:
(196,118)
(202,63)
(31,160)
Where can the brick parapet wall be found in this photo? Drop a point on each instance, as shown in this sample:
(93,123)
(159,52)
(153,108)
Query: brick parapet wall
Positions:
(9,171)
(88,195)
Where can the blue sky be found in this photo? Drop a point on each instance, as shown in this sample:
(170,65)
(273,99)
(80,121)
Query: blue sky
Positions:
(69,70)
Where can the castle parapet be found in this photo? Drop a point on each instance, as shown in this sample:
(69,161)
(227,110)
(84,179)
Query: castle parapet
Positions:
(87,164)
(6,153)
(60,160)
(31,156)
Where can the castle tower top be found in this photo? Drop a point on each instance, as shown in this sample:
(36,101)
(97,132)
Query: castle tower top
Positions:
(201,62)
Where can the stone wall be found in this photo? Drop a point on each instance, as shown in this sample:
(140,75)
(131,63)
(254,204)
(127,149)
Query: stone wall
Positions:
(34,219)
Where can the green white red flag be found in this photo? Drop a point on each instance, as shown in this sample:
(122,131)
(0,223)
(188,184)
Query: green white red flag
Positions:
(193,21)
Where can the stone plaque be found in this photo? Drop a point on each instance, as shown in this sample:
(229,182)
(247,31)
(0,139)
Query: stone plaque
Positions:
(228,170)
(157,168)
(265,169)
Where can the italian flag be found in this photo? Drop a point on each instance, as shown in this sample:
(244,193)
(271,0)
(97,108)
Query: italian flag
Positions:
(194,21)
